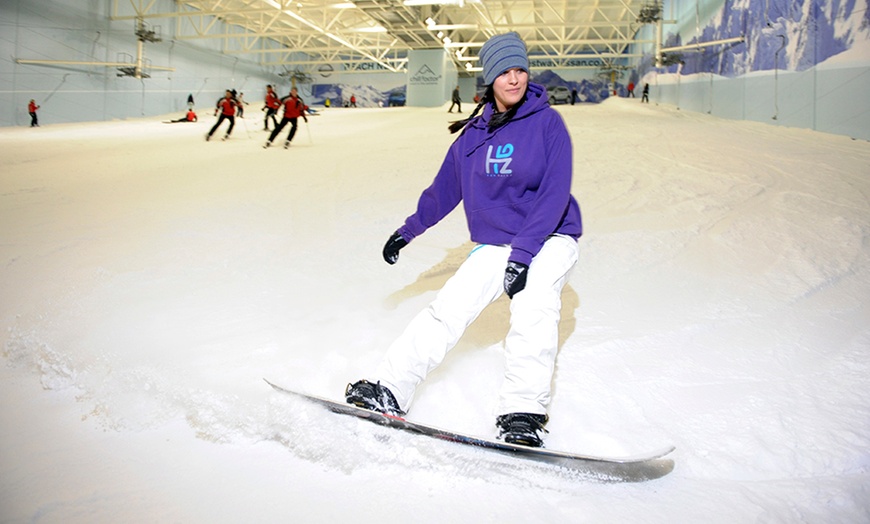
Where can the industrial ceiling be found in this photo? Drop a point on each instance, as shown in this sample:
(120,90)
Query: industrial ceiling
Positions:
(377,35)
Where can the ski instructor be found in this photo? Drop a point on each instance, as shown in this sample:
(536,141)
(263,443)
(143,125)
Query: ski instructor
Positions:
(511,167)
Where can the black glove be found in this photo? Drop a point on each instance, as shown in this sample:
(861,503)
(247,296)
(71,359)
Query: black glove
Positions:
(392,247)
(515,278)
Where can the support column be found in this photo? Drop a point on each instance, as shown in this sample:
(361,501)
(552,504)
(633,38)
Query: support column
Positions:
(432,77)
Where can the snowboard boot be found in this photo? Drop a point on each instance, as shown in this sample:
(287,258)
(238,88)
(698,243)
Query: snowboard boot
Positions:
(374,397)
(522,428)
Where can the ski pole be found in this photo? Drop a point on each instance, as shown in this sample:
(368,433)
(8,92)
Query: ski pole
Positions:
(246,127)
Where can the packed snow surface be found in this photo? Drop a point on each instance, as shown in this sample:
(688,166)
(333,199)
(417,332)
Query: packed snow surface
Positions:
(151,279)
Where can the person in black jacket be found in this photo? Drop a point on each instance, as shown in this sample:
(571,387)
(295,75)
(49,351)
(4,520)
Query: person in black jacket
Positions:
(456,101)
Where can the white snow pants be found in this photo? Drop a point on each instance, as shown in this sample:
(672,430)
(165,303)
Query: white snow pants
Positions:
(531,343)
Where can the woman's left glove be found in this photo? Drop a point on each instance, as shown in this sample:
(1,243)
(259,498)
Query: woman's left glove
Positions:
(392,247)
(515,278)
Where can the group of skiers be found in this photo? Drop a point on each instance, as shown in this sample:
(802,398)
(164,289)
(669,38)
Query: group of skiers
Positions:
(232,104)
(293,107)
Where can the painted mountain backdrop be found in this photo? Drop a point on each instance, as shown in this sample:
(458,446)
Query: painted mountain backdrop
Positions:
(791,35)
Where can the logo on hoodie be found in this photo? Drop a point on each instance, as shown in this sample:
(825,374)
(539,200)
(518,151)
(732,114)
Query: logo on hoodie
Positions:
(497,165)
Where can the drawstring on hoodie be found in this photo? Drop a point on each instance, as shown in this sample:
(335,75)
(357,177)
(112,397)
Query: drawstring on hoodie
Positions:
(492,131)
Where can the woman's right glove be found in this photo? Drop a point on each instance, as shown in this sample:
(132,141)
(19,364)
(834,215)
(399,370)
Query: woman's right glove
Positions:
(392,247)
(515,278)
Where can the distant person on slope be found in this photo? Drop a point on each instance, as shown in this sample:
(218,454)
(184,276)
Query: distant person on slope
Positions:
(227,107)
(32,108)
(455,101)
(511,167)
(294,107)
(270,106)
(189,117)
(241,100)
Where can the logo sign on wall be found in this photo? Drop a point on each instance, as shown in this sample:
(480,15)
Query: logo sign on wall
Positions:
(325,70)
(425,76)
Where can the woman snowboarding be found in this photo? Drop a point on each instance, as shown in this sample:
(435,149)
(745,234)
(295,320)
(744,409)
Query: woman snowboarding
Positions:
(511,167)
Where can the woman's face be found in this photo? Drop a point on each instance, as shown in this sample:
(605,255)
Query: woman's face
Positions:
(509,88)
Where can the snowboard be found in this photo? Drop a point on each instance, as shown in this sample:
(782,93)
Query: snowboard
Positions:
(636,468)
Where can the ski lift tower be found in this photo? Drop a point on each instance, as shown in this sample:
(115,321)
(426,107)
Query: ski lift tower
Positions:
(651,13)
(138,68)
(141,67)
(297,76)
(610,72)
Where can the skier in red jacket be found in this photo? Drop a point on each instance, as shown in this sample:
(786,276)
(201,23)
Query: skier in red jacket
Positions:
(227,106)
(270,106)
(294,107)
(31,108)
(189,117)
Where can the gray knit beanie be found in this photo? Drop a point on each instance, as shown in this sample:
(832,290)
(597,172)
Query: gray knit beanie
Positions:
(500,53)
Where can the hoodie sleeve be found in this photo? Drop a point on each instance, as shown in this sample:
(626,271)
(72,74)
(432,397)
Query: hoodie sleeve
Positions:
(553,196)
(437,201)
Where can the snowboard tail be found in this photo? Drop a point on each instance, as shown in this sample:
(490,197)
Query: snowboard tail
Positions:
(636,468)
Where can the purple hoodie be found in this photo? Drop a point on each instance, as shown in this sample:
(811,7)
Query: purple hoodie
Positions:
(514,182)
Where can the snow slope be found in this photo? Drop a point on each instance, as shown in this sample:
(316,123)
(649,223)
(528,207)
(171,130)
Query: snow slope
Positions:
(151,279)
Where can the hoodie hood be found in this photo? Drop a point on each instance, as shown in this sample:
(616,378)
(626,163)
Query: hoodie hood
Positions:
(535,101)
(514,182)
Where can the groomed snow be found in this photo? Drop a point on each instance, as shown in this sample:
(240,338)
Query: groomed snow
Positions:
(150,280)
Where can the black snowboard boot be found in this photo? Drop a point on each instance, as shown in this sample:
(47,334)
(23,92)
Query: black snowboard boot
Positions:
(374,397)
(522,428)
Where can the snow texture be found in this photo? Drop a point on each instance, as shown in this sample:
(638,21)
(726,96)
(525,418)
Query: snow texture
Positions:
(150,280)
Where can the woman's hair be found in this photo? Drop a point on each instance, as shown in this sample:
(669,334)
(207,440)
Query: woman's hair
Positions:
(497,120)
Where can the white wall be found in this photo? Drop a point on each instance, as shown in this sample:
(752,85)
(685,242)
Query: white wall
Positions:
(827,96)
(467,90)
(824,99)
(80,30)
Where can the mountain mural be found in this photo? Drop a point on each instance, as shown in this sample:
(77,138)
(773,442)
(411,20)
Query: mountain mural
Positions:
(792,35)
(366,95)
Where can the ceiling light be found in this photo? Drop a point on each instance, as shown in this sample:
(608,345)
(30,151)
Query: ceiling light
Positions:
(460,3)
(374,29)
